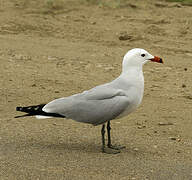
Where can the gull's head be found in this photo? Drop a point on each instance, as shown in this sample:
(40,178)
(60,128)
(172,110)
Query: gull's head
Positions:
(137,57)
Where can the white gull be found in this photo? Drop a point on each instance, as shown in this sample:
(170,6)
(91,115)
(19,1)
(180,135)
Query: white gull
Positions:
(102,103)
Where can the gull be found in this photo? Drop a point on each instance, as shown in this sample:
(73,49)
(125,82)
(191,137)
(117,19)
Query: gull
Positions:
(103,103)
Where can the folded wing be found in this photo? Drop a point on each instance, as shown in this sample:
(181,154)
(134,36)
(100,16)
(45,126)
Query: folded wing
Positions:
(95,106)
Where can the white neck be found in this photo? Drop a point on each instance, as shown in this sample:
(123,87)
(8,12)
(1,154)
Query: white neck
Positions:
(132,70)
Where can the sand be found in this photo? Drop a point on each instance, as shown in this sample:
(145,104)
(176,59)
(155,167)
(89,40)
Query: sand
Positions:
(54,50)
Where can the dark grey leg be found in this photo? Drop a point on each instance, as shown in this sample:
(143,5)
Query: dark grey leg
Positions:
(117,147)
(108,134)
(107,149)
(103,137)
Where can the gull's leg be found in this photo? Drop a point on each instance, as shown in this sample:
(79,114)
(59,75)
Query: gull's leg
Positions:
(106,149)
(103,137)
(117,147)
(109,134)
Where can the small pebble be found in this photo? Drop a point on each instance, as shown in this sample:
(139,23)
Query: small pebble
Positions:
(133,178)
(124,36)
(173,138)
(183,85)
(155,146)
(189,96)
(141,127)
(132,5)
(33,85)
(178,139)
(175,5)
(52,58)
(189,54)
(165,123)
(93,22)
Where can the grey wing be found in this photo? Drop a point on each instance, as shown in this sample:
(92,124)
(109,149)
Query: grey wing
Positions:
(100,92)
(95,106)
(91,111)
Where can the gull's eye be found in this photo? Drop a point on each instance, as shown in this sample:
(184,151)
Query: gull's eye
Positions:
(143,55)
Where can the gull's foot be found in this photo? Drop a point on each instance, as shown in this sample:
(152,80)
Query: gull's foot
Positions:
(116,147)
(108,150)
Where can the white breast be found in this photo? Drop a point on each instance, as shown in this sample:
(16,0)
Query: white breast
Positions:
(135,101)
(134,93)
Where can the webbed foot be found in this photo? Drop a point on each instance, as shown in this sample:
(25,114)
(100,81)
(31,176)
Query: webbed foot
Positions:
(108,150)
(116,147)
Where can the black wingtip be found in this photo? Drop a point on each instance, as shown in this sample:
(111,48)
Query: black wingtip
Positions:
(18,108)
(36,110)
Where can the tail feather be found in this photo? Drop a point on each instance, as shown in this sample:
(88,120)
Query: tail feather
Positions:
(35,111)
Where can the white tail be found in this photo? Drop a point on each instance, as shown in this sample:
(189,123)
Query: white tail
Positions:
(43,117)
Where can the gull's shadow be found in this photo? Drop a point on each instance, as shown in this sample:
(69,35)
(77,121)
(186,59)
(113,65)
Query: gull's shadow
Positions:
(65,146)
